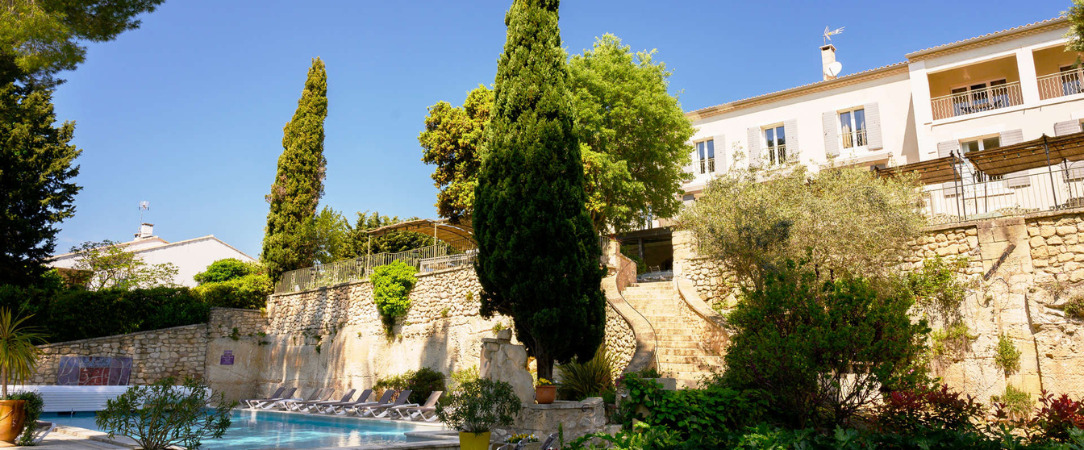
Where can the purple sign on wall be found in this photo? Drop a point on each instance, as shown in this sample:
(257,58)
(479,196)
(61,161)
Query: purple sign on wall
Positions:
(227,358)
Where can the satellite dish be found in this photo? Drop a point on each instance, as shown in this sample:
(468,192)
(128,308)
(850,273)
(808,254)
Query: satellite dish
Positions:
(833,69)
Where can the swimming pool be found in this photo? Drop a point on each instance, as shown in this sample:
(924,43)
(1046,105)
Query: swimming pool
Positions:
(268,429)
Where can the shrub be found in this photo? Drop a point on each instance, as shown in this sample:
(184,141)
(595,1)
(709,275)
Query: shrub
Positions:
(464,375)
(951,342)
(118,312)
(34,406)
(1006,356)
(1075,307)
(247,292)
(698,415)
(801,340)
(479,405)
(1057,418)
(226,270)
(396,382)
(163,415)
(937,289)
(423,382)
(391,291)
(911,411)
(587,379)
(1016,404)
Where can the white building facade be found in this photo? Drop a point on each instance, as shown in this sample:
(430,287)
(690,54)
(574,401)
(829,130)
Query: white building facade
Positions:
(190,256)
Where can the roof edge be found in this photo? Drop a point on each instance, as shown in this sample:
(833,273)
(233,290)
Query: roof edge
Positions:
(988,39)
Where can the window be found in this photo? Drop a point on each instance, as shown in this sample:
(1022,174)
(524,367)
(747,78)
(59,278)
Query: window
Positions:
(775,142)
(688,198)
(979,144)
(705,151)
(852,128)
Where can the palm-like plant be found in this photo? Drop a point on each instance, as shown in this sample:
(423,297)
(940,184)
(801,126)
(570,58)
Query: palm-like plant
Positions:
(18,353)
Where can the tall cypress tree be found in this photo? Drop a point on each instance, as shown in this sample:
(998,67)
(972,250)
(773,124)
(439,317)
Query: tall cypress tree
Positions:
(538,258)
(299,182)
(36,186)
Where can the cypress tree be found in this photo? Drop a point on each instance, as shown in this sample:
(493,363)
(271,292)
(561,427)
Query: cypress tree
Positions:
(299,181)
(36,187)
(538,258)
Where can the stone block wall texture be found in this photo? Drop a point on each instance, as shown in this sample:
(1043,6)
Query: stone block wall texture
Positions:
(1020,272)
(177,352)
(619,340)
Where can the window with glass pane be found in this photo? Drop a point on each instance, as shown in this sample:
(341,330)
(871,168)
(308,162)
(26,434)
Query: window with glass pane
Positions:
(700,155)
(975,146)
(852,126)
(705,152)
(776,145)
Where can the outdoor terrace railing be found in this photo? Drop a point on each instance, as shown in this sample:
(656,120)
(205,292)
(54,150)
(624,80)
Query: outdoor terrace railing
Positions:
(977,100)
(433,257)
(853,138)
(1045,189)
(1066,82)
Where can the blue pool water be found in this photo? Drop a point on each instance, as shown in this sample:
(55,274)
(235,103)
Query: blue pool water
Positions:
(266,429)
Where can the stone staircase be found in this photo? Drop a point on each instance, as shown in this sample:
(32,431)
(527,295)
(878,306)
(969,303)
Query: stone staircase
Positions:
(678,348)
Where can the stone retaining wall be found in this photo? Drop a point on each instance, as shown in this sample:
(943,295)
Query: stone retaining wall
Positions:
(176,352)
(620,342)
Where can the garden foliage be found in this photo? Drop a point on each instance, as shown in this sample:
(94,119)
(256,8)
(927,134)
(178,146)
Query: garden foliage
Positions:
(822,350)
(299,181)
(477,406)
(34,406)
(392,284)
(421,382)
(163,415)
(590,378)
(112,266)
(538,251)
(230,283)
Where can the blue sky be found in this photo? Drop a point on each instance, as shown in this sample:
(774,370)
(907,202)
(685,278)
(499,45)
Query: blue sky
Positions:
(187,111)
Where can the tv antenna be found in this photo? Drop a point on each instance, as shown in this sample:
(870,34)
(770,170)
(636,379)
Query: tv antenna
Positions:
(828,33)
(143,206)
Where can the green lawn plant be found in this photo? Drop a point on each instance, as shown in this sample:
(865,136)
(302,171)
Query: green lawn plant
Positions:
(477,406)
(162,415)
(392,284)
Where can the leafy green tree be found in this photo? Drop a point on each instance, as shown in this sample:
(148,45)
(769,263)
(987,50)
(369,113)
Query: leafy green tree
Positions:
(538,251)
(823,350)
(299,181)
(844,221)
(39,38)
(37,187)
(232,283)
(333,236)
(635,132)
(633,138)
(114,267)
(452,140)
(1075,14)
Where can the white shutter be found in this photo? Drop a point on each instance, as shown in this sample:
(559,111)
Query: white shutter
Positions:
(830,120)
(943,148)
(720,153)
(874,141)
(790,133)
(1067,127)
(1017,179)
(692,167)
(753,150)
(1012,137)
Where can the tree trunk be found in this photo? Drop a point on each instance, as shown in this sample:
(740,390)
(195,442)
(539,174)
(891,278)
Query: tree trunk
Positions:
(545,366)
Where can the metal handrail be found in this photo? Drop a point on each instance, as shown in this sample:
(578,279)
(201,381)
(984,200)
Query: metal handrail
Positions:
(1059,84)
(1056,187)
(977,100)
(853,139)
(357,269)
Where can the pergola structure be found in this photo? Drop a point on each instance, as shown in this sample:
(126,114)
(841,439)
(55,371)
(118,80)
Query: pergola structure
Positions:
(460,236)
(1045,152)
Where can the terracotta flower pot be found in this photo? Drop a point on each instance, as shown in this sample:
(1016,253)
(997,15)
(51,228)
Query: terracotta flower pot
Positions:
(473,441)
(545,395)
(12,416)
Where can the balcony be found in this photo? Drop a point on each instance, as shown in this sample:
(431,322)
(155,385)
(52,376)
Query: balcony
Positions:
(1060,84)
(975,100)
(708,164)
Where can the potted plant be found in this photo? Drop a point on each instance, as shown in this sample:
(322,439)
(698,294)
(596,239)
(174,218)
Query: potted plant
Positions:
(18,361)
(476,407)
(545,392)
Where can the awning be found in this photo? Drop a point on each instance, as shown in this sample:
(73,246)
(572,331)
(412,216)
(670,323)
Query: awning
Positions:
(1029,155)
(461,236)
(934,171)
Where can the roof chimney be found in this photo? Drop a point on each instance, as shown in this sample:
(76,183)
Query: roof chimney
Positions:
(828,57)
(146,230)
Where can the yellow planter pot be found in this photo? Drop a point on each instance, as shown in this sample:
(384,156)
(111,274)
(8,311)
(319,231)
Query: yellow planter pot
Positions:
(473,441)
